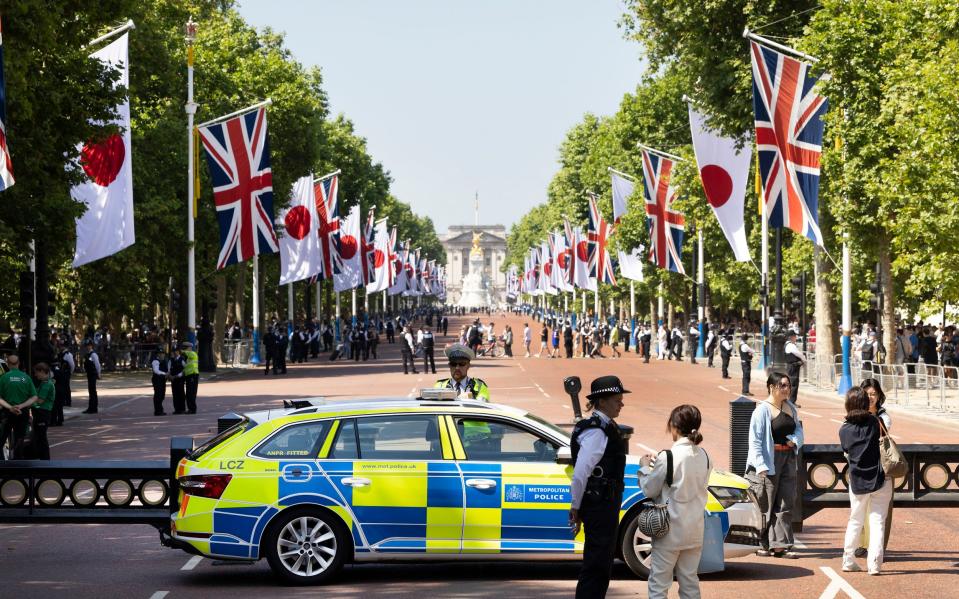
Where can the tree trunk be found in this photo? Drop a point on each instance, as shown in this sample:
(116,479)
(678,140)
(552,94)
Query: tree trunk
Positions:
(219,318)
(888,316)
(239,295)
(671,313)
(827,334)
(653,317)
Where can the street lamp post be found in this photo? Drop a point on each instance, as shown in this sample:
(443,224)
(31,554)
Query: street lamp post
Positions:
(191,106)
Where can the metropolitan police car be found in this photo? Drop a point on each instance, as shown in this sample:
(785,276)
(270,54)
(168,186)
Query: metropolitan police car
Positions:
(312,488)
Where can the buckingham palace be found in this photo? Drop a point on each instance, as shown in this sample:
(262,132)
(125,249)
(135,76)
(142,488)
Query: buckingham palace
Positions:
(458,242)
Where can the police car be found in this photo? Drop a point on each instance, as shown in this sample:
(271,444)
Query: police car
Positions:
(315,487)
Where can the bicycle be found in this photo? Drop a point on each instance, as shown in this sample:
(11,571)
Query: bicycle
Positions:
(492,350)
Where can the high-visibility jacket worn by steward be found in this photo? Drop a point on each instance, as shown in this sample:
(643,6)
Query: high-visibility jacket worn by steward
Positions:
(476,388)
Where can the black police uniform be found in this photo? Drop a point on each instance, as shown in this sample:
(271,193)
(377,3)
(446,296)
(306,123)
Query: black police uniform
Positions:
(279,352)
(159,386)
(746,361)
(725,354)
(269,345)
(793,365)
(178,383)
(646,340)
(92,375)
(599,509)
(428,358)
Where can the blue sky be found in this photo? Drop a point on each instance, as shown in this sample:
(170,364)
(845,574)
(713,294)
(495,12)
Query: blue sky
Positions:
(456,97)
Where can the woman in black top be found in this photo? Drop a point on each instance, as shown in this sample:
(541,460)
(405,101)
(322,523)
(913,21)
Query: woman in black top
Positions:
(869,489)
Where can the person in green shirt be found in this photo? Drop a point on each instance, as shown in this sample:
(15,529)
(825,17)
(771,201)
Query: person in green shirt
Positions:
(17,393)
(42,412)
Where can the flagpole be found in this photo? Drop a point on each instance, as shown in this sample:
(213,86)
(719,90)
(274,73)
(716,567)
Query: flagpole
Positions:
(125,27)
(632,312)
(701,289)
(255,358)
(660,152)
(219,119)
(659,315)
(319,300)
(336,323)
(327,176)
(353,317)
(620,173)
(289,308)
(191,106)
(768,42)
(845,380)
(765,266)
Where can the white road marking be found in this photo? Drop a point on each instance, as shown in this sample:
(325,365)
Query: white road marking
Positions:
(725,389)
(545,394)
(61,443)
(159,594)
(647,448)
(838,584)
(810,414)
(521,368)
(125,401)
(836,421)
(192,562)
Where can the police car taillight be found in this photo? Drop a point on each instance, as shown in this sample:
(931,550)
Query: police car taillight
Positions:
(205,485)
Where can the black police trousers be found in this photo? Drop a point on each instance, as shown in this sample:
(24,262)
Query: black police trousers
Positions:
(792,371)
(428,360)
(159,394)
(725,358)
(747,371)
(600,523)
(178,388)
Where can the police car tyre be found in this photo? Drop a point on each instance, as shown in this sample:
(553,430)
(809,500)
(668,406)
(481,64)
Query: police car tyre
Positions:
(636,547)
(306,546)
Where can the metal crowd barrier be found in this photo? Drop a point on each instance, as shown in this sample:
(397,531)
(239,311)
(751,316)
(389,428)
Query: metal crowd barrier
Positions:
(932,480)
(92,492)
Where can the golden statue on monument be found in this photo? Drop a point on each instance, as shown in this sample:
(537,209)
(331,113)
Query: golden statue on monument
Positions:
(477,250)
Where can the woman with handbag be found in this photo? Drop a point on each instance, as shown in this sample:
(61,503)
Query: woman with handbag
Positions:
(683,491)
(870,490)
(775,436)
(876,400)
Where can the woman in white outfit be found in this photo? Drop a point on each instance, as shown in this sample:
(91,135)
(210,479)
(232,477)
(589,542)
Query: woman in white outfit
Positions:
(677,554)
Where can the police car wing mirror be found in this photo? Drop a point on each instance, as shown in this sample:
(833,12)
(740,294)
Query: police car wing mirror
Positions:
(564,455)
(572,385)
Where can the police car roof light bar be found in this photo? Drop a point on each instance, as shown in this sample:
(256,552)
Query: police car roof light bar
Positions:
(433,394)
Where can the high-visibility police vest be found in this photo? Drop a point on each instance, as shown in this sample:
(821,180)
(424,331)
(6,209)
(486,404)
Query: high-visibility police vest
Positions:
(192,365)
(477,388)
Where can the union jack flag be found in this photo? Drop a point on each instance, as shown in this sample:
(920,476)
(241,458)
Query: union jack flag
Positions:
(601,266)
(368,247)
(666,226)
(393,258)
(324,193)
(789,131)
(238,154)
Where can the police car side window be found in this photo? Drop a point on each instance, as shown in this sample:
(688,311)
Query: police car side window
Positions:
(344,448)
(399,438)
(494,441)
(294,441)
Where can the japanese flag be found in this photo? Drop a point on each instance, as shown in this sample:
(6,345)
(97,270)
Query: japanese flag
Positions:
(300,253)
(348,253)
(724,171)
(107,225)
(581,264)
(380,258)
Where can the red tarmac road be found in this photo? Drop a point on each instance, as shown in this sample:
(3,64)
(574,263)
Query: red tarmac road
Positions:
(128,561)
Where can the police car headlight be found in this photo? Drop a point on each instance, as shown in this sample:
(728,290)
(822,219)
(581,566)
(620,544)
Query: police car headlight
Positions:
(729,496)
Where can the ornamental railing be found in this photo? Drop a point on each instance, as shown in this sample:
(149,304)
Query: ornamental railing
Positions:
(932,481)
(92,491)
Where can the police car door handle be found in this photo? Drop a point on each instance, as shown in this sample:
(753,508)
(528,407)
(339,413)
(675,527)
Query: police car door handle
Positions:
(356,482)
(481,483)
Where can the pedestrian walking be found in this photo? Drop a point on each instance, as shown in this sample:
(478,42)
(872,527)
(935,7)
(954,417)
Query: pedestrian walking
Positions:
(527,337)
(568,339)
(269,345)
(282,341)
(775,437)
(678,479)
(160,375)
(876,400)
(508,341)
(662,339)
(746,362)
(191,376)
(693,344)
(710,347)
(614,342)
(543,340)
(596,491)
(870,490)
(91,366)
(646,340)
(62,371)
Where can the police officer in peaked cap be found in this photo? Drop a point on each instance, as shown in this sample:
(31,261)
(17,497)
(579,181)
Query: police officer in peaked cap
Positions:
(599,462)
(459,357)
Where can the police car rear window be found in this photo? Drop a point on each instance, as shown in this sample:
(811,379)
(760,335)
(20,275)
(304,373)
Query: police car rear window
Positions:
(301,440)
(220,438)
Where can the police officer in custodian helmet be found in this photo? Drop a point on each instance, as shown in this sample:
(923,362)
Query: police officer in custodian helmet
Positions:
(599,461)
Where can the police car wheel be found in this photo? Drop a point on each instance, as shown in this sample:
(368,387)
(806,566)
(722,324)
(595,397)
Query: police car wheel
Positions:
(306,547)
(637,548)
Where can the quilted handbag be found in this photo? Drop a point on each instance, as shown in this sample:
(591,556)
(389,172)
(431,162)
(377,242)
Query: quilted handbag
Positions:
(653,520)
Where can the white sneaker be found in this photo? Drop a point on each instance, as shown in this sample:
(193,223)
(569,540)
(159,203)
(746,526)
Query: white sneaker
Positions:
(853,567)
(874,572)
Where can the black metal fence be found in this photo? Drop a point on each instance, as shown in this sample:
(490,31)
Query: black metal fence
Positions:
(932,481)
(92,492)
